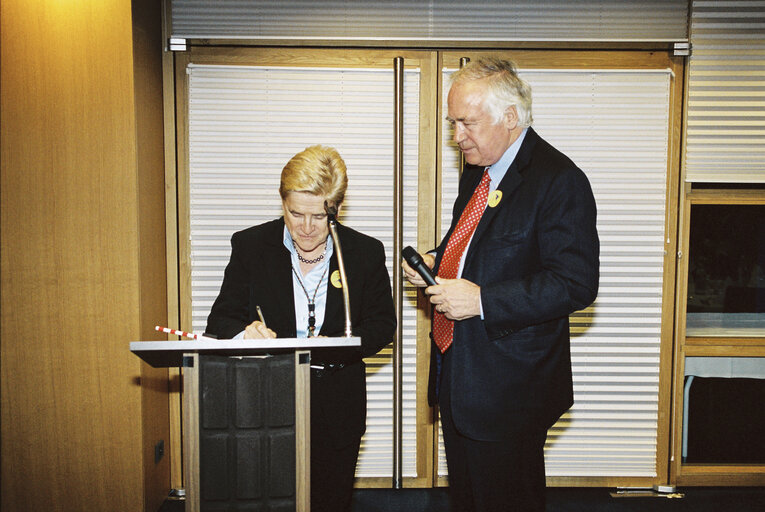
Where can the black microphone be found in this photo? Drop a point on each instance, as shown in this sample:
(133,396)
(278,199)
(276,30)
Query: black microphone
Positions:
(331,212)
(414,260)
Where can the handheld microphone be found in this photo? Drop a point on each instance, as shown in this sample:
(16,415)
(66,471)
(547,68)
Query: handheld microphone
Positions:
(415,261)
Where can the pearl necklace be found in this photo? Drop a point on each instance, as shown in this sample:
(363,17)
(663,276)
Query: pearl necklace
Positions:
(310,262)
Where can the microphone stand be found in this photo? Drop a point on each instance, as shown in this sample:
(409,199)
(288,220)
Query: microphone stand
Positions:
(332,221)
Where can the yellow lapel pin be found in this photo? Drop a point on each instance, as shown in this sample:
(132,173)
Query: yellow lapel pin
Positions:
(495,198)
(335,279)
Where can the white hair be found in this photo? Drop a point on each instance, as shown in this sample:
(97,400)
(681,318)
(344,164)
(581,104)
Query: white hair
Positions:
(504,88)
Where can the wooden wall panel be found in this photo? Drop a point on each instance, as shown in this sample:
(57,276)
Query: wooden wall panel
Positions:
(71,391)
(150,172)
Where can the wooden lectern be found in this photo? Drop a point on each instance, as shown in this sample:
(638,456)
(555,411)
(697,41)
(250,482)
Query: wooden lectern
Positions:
(246,419)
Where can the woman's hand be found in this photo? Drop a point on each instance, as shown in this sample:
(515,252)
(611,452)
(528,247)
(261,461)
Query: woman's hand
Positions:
(257,330)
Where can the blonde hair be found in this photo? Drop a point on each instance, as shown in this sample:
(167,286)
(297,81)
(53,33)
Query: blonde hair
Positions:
(504,87)
(318,170)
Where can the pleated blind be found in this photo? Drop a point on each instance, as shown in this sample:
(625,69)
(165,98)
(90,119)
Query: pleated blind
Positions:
(726,93)
(244,125)
(442,20)
(614,125)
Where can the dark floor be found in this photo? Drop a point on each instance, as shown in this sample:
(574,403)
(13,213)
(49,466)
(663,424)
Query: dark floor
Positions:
(561,499)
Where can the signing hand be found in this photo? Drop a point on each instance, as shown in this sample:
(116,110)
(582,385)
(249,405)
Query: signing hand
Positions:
(412,274)
(257,330)
(458,299)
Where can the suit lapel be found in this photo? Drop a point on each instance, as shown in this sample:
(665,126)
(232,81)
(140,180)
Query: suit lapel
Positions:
(508,184)
(512,179)
(278,275)
(471,177)
(467,193)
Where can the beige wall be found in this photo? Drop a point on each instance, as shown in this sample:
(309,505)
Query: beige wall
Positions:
(81,235)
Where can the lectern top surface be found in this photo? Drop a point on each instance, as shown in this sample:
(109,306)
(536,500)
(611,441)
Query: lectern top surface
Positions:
(162,354)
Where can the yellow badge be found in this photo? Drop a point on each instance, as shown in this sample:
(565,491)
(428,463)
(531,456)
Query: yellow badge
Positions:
(335,279)
(495,198)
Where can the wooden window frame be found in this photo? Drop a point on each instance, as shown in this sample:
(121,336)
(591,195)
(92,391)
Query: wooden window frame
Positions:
(430,62)
(691,474)
(616,60)
(180,188)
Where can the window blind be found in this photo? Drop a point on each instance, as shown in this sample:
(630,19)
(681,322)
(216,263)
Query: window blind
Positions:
(244,125)
(726,93)
(442,20)
(614,125)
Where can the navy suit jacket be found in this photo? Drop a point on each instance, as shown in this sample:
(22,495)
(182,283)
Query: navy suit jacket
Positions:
(535,256)
(259,273)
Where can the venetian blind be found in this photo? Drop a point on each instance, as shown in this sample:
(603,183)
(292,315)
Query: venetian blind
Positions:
(726,93)
(244,125)
(434,20)
(614,125)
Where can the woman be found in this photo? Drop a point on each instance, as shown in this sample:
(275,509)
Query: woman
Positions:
(288,268)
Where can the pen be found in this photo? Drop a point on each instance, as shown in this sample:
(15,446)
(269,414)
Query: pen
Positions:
(260,314)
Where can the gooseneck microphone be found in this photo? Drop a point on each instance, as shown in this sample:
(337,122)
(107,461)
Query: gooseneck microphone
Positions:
(415,261)
(332,222)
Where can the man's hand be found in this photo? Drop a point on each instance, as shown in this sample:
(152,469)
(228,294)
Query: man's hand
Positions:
(257,330)
(412,274)
(458,299)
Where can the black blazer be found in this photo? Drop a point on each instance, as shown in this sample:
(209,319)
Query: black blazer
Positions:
(259,273)
(535,256)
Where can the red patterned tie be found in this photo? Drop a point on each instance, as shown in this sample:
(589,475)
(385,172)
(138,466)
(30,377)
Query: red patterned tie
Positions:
(443,328)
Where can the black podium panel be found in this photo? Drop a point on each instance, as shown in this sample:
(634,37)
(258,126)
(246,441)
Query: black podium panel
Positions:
(247,433)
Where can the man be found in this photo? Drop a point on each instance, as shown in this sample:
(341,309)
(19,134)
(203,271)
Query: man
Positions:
(520,256)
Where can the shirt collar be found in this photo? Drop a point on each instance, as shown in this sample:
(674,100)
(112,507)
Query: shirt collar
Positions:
(498,169)
(287,239)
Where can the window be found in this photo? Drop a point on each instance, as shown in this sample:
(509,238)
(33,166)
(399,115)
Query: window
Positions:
(726,270)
